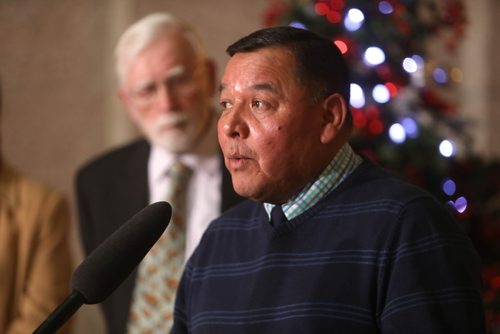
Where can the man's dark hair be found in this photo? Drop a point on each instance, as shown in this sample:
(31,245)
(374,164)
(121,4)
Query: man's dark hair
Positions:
(320,64)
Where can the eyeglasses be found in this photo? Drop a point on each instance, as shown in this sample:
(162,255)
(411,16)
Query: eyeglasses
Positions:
(179,85)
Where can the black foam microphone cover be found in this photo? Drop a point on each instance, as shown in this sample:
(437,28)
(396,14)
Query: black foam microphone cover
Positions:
(112,261)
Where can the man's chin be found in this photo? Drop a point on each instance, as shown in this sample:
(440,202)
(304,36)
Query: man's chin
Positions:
(175,144)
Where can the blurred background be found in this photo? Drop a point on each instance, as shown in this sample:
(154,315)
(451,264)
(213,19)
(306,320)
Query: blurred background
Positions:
(426,93)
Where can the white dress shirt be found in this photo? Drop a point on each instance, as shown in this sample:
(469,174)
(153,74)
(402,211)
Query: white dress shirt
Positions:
(204,191)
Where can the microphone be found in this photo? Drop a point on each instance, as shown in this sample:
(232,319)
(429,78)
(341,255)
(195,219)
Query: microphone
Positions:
(110,263)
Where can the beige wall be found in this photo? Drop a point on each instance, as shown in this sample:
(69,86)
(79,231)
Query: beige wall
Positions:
(480,91)
(60,108)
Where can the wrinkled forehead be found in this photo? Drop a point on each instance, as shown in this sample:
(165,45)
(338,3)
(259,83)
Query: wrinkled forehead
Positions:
(269,69)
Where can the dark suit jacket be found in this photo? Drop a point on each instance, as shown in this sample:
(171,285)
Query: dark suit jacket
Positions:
(109,191)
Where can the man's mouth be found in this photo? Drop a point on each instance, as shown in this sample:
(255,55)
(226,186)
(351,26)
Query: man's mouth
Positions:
(237,161)
(236,156)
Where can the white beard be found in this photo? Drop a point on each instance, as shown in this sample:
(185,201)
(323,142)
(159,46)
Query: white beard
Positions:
(176,131)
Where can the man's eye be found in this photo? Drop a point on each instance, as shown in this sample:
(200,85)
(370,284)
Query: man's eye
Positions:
(146,91)
(259,104)
(225,104)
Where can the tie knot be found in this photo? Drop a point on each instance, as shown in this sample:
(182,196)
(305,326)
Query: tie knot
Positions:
(277,216)
(179,172)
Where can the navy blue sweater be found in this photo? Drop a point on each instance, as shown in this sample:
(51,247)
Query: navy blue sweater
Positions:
(376,255)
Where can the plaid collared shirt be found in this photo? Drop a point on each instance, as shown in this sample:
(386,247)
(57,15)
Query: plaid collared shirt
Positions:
(344,162)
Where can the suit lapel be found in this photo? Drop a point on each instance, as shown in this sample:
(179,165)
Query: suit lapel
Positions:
(135,194)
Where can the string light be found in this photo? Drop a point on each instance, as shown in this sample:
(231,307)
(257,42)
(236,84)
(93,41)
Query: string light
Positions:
(341,45)
(334,16)
(297,24)
(337,4)
(419,60)
(461,204)
(393,89)
(376,127)
(374,56)
(397,133)
(449,187)
(447,148)
(385,7)
(359,118)
(410,126)
(381,94)
(354,19)
(321,8)
(357,96)
(410,65)
(440,75)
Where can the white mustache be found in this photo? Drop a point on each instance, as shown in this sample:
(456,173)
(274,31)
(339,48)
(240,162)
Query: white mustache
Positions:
(171,120)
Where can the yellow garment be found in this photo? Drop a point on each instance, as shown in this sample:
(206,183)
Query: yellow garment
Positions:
(35,262)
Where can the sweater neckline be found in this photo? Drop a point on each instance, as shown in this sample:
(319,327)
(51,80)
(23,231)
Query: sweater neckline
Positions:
(292,224)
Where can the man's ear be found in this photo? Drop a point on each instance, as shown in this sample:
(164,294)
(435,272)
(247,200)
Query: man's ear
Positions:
(334,115)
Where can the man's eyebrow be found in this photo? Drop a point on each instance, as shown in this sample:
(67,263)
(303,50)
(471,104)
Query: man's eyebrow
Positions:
(266,86)
(142,85)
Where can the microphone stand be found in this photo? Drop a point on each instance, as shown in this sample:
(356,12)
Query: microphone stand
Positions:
(61,314)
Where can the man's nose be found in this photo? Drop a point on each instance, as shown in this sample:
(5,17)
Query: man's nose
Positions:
(165,99)
(233,123)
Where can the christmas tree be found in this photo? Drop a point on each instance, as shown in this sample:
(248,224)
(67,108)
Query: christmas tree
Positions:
(402,97)
(401,118)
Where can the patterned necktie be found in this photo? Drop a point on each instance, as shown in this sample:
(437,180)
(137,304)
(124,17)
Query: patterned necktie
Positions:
(160,271)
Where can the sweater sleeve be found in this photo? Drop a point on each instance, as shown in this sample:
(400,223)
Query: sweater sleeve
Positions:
(433,282)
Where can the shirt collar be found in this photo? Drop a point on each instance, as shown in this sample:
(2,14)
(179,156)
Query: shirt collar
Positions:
(343,164)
